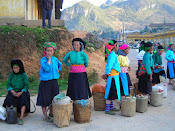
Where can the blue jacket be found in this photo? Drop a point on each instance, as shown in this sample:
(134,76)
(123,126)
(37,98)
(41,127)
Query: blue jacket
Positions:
(50,72)
(112,63)
(169,55)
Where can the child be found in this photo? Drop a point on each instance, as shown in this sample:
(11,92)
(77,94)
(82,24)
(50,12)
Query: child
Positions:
(17,88)
(49,73)
(140,56)
(112,70)
(158,65)
(170,64)
(145,73)
(123,60)
(78,85)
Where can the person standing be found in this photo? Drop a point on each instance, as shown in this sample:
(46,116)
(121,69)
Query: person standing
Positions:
(47,7)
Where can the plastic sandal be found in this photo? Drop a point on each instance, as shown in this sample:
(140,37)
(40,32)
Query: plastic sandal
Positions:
(20,122)
(110,112)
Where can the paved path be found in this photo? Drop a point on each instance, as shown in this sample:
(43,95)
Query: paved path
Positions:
(155,119)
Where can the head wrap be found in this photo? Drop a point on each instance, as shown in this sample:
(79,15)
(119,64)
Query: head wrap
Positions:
(82,43)
(157,49)
(51,45)
(147,46)
(123,47)
(17,62)
(142,45)
(108,48)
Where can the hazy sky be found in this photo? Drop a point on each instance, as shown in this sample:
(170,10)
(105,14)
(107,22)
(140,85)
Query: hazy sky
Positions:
(68,3)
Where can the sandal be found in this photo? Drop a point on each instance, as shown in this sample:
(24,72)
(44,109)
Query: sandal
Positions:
(110,112)
(48,119)
(115,109)
(20,122)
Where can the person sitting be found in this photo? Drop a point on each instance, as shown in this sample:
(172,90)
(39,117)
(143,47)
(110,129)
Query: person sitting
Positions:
(17,87)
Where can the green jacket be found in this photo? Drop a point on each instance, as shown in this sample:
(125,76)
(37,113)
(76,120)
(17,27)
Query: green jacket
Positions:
(148,62)
(18,82)
(157,59)
(76,58)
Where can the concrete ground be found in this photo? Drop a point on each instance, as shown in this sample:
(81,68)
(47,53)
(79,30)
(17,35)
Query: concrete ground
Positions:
(155,119)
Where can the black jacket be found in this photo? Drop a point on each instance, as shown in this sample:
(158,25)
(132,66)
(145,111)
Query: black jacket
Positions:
(47,4)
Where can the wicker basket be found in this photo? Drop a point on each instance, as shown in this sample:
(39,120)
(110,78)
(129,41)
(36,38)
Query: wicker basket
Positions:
(131,91)
(99,101)
(62,114)
(82,115)
(136,91)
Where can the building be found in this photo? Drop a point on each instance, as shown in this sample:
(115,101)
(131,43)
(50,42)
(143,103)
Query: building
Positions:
(20,12)
(163,37)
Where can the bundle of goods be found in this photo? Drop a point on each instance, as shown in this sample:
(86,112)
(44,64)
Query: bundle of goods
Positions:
(156,98)
(141,103)
(128,106)
(98,92)
(2,113)
(62,108)
(82,111)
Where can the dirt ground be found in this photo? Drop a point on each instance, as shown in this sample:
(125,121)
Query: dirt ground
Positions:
(155,119)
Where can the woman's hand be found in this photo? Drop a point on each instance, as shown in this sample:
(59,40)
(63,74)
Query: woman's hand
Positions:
(151,78)
(129,68)
(104,76)
(70,67)
(14,93)
(19,94)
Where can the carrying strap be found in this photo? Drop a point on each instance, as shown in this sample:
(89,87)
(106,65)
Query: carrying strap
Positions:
(33,106)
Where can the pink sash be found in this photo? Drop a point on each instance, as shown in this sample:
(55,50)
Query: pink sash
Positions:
(78,69)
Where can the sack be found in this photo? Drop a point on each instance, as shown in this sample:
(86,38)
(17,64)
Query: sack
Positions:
(164,86)
(98,88)
(157,88)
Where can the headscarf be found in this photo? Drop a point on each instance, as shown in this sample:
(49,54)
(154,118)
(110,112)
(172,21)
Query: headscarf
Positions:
(169,47)
(157,49)
(17,62)
(82,43)
(108,48)
(147,46)
(122,48)
(142,46)
(51,45)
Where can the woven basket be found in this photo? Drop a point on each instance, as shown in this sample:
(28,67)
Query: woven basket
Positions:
(136,91)
(82,115)
(99,101)
(131,91)
(61,114)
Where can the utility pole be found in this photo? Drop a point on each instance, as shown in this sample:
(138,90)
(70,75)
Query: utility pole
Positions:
(164,32)
(123,32)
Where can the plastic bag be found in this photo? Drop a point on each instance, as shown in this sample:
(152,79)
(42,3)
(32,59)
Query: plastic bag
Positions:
(157,88)
(2,113)
(98,88)
(164,86)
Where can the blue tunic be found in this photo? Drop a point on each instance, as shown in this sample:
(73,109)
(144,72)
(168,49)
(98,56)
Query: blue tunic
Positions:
(50,72)
(112,63)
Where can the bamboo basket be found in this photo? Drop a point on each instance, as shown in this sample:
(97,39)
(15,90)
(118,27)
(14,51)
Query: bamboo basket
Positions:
(99,101)
(61,114)
(82,115)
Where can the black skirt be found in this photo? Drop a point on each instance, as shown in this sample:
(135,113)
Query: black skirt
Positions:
(113,91)
(46,93)
(145,85)
(78,86)
(23,100)
(156,79)
(129,84)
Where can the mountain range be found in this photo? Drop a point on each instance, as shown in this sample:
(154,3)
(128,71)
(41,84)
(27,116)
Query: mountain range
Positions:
(135,14)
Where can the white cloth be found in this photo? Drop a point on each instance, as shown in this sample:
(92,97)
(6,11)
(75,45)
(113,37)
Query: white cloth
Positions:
(2,113)
(140,55)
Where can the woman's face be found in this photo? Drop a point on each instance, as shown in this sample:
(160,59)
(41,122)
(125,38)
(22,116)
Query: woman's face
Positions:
(127,50)
(161,51)
(116,47)
(151,49)
(76,46)
(16,69)
(49,52)
(172,47)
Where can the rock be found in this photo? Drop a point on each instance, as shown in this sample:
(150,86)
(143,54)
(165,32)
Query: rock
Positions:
(90,44)
(91,49)
(94,39)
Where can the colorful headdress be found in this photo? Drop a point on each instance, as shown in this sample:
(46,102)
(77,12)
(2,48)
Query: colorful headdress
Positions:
(147,46)
(108,47)
(51,45)
(123,47)
(17,62)
(82,42)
